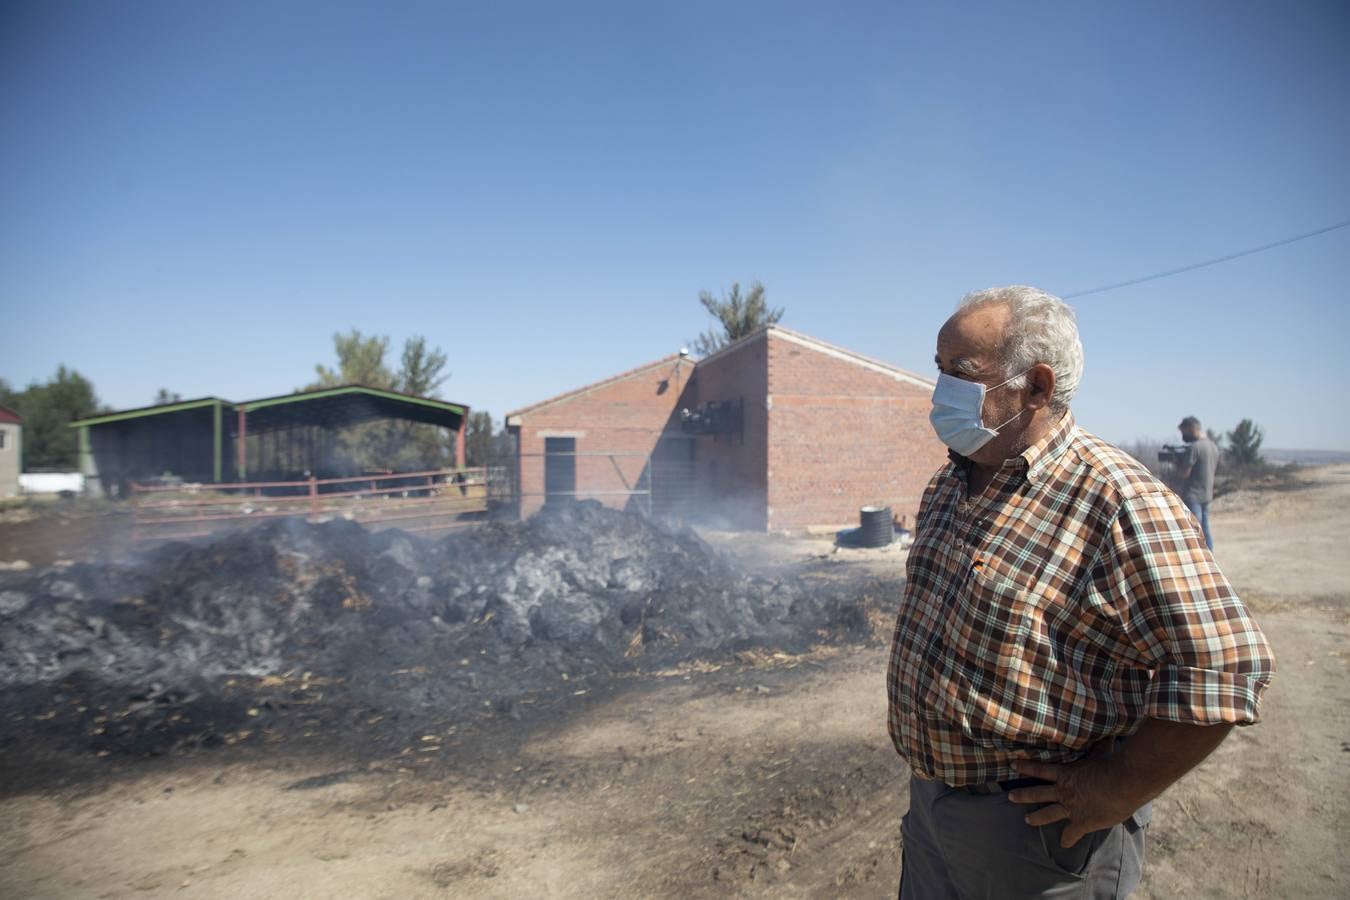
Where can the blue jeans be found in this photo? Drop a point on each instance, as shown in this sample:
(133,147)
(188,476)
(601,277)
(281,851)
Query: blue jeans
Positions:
(1201,512)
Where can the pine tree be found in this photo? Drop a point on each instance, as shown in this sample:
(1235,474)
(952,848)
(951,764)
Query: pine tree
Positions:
(738,316)
(1244,443)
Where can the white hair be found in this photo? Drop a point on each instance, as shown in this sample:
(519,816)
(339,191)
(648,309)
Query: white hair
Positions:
(1041,329)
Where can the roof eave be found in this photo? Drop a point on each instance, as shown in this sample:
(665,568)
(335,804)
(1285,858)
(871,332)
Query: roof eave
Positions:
(513,418)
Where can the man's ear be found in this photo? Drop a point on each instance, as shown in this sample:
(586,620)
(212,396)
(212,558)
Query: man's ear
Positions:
(1041,386)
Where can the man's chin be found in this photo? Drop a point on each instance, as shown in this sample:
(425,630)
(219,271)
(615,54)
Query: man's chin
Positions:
(985,457)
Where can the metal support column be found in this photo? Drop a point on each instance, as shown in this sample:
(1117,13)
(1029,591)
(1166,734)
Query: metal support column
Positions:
(241,452)
(216,448)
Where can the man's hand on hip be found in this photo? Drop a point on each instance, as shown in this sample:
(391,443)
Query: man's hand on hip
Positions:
(1104,789)
(1084,792)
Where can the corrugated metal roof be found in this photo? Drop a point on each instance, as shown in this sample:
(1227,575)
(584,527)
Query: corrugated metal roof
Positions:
(341,405)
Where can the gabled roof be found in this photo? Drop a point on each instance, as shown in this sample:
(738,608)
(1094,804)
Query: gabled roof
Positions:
(349,404)
(597,385)
(787,334)
(336,406)
(9,416)
(828,349)
(141,411)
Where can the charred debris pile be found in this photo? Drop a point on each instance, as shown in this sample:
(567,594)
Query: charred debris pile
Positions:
(177,646)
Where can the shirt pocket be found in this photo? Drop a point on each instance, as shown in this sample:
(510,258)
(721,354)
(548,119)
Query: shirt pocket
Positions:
(988,620)
(978,658)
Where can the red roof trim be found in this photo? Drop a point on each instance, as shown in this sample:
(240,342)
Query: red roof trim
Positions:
(9,416)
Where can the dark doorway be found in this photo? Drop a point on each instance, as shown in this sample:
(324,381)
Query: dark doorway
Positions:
(673,477)
(560,470)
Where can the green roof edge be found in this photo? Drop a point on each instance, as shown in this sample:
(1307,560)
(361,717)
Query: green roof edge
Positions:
(351,389)
(148,411)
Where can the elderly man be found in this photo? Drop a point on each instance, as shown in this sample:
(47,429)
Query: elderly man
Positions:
(1066,647)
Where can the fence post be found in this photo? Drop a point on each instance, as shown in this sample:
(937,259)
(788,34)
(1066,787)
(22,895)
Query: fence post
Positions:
(313,498)
(136,515)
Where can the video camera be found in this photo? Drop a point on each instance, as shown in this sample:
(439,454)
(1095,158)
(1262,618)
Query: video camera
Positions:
(1173,454)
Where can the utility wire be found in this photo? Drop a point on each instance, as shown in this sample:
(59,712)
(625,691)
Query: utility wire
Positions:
(1209,262)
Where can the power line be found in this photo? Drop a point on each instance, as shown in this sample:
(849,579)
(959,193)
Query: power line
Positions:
(1209,262)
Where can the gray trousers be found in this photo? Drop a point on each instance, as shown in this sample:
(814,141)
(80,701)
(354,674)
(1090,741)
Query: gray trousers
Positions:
(968,846)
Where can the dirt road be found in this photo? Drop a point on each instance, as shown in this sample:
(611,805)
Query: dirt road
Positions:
(771,776)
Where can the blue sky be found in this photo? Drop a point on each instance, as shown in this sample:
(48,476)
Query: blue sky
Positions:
(196,196)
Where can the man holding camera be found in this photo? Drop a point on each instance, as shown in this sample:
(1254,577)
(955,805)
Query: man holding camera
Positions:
(1196,470)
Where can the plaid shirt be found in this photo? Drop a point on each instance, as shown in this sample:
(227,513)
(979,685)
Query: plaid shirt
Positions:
(1069,602)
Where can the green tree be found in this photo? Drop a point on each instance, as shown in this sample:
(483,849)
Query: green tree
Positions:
(420,373)
(401,446)
(48,408)
(503,446)
(478,439)
(1244,443)
(360,360)
(737,316)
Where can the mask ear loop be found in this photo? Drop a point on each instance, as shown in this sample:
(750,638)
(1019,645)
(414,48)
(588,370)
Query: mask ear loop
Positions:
(999,427)
(1014,378)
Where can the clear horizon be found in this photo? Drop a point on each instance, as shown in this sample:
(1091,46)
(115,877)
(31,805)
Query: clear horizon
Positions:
(199,197)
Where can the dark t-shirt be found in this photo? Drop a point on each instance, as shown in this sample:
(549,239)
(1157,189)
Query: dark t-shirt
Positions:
(1203,458)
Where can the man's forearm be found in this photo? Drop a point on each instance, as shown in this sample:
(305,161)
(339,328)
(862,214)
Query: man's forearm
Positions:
(1159,753)
(1103,789)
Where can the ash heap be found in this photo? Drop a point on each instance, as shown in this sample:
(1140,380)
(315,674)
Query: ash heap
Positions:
(164,649)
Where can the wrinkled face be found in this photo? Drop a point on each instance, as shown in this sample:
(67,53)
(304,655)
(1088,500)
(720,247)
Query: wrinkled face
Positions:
(967,348)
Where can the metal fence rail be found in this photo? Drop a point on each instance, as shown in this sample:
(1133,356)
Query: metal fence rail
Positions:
(433,500)
(604,475)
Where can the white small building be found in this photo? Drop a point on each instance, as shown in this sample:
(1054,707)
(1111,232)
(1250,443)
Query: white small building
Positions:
(11,452)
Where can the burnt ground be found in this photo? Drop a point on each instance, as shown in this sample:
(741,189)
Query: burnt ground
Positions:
(47,531)
(291,636)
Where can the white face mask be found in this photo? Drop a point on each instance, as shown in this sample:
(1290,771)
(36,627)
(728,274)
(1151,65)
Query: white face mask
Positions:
(958,413)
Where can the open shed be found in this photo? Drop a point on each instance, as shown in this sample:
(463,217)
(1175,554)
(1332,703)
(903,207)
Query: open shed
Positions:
(212,440)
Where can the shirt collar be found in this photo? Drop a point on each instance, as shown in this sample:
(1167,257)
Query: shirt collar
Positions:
(1037,459)
(1041,456)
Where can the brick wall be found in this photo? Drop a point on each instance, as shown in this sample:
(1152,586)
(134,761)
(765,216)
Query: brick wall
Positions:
(823,433)
(624,416)
(732,484)
(841,436)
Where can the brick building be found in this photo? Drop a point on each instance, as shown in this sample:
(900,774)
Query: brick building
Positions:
(778,431)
